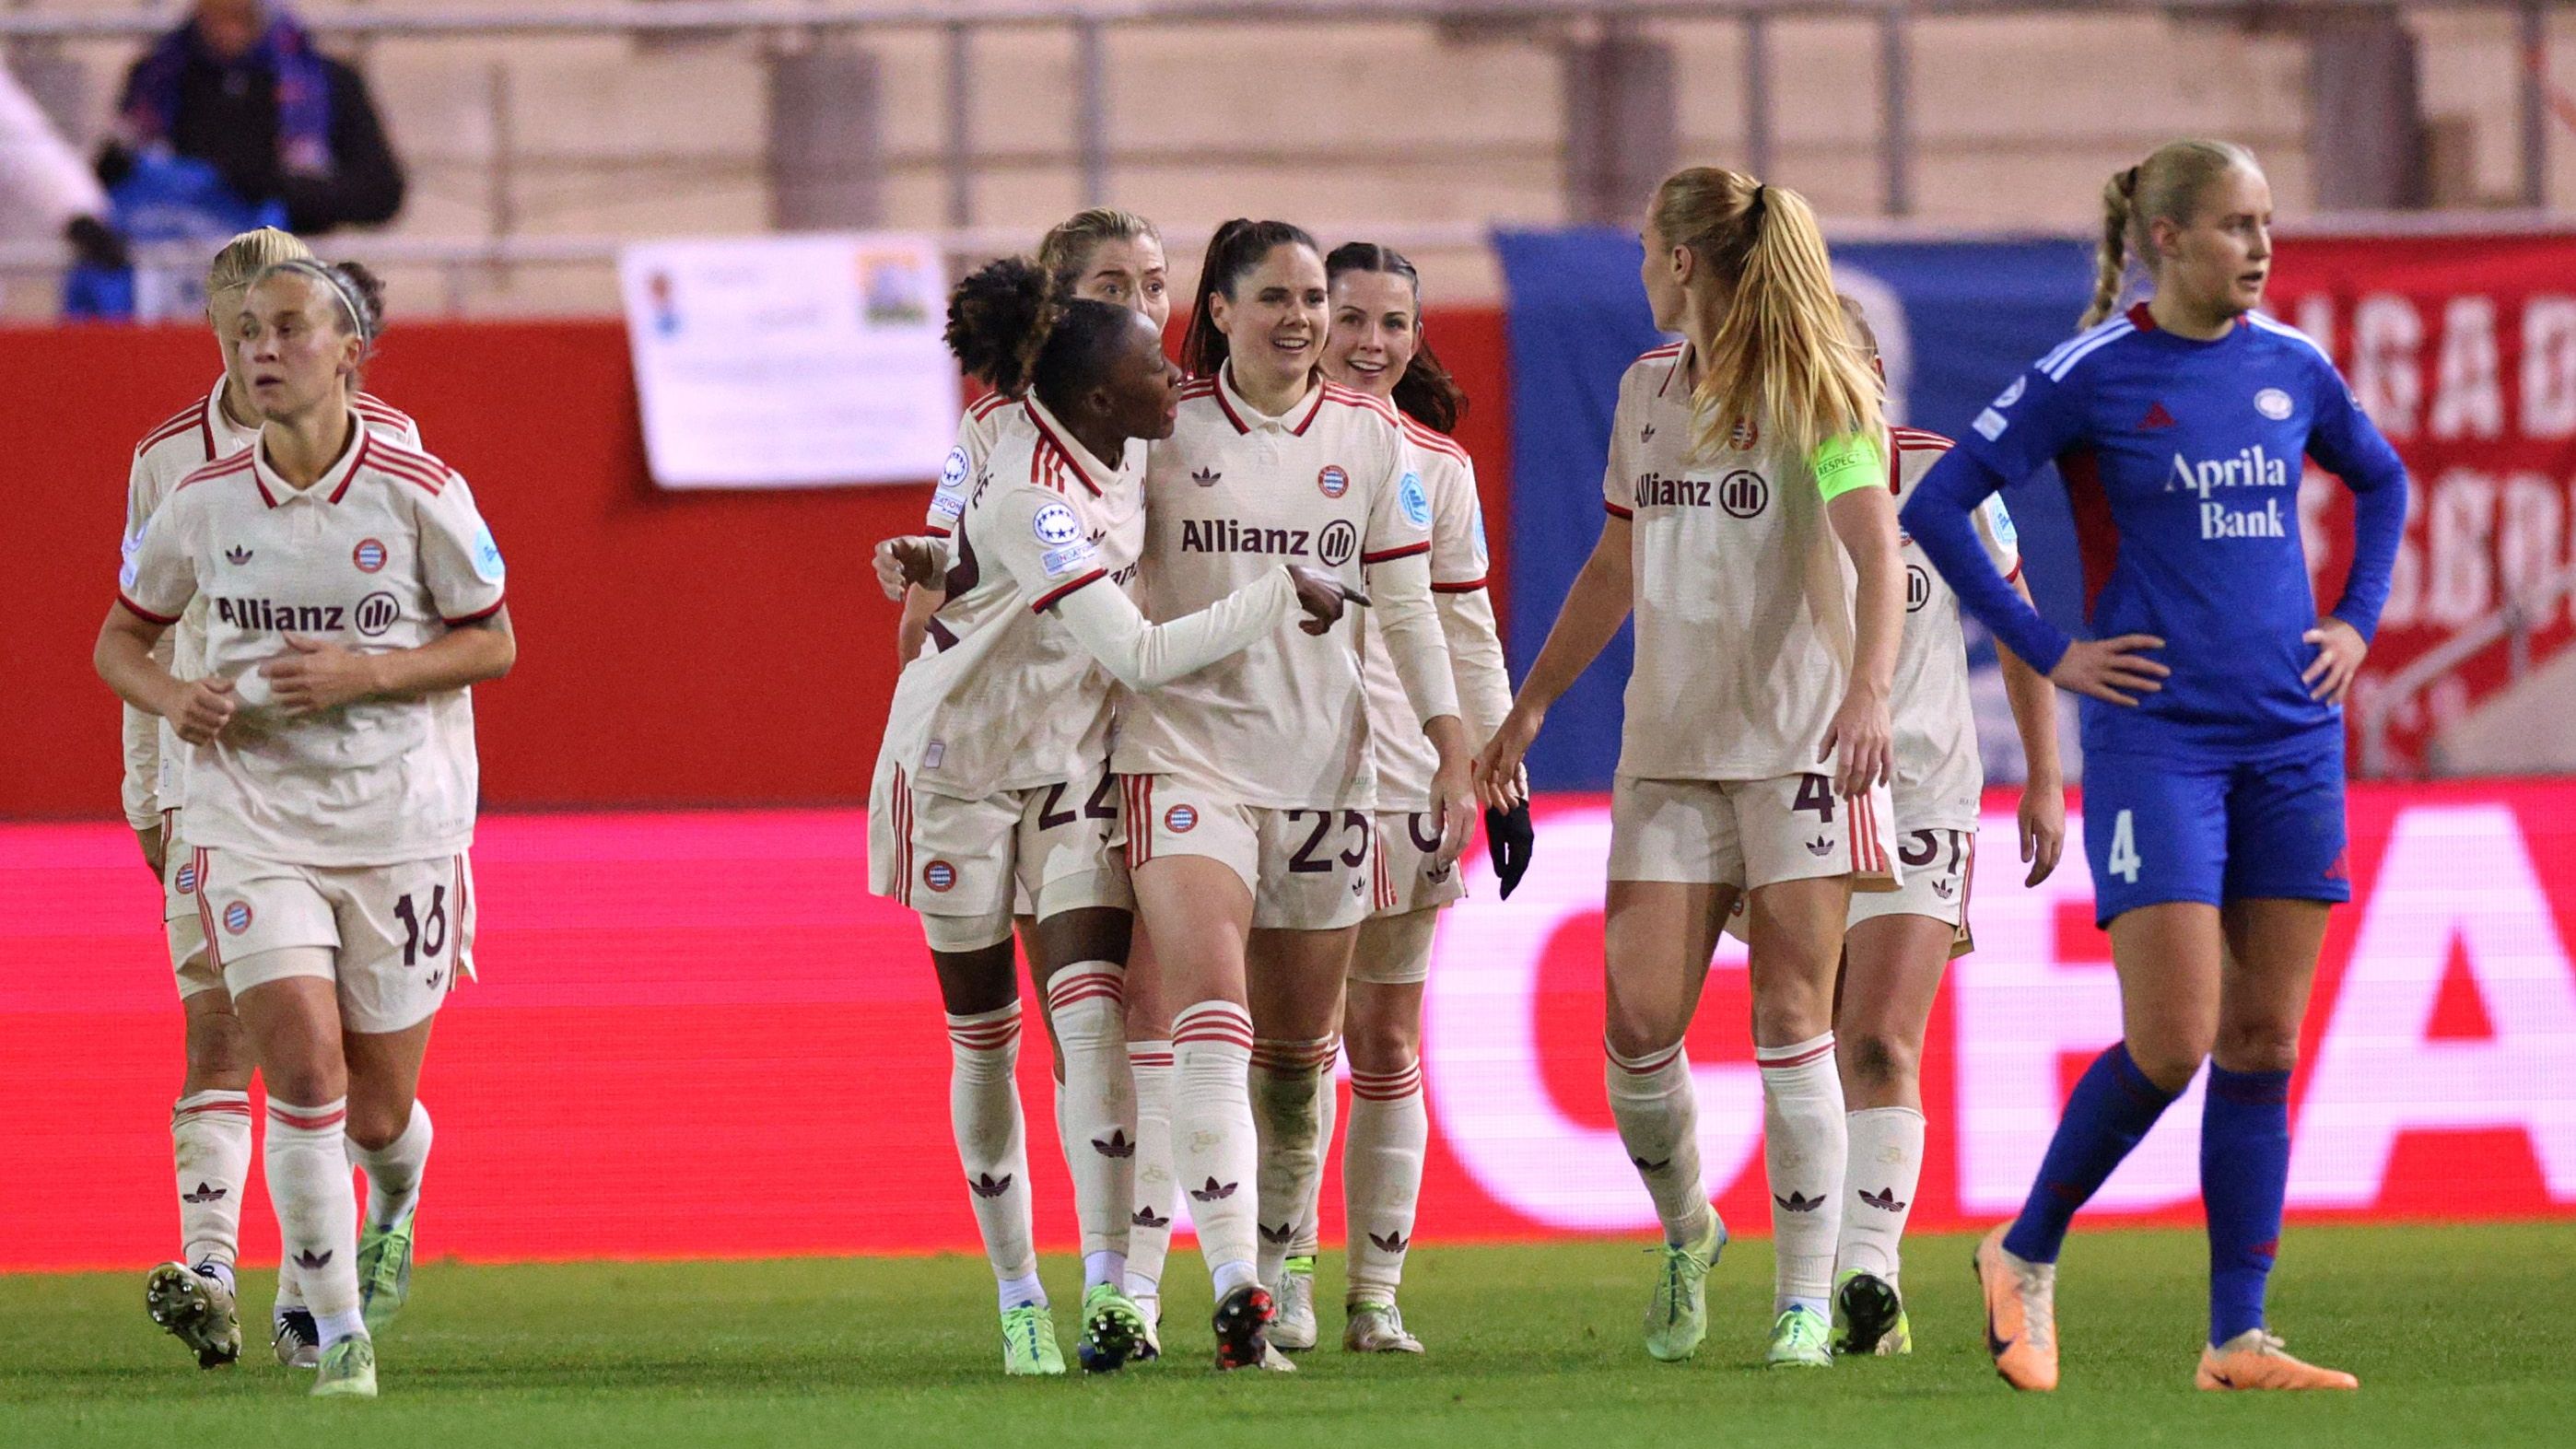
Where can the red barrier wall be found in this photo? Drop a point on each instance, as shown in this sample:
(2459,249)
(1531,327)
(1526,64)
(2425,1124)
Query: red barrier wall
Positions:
(697,1035)
(675,648)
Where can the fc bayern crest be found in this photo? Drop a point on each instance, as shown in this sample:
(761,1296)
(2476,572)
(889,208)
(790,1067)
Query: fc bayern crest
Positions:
(1181,819)
(1743,436)
(1333,480)
(939,875)
(237,917)
(186,881)
(369,556)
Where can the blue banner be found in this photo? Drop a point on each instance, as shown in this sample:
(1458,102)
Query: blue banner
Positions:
(1956,322)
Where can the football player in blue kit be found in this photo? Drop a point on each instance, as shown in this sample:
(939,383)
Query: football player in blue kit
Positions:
(2212,724)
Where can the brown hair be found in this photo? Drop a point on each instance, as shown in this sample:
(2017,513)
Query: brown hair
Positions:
(1781,357)
(1065,253)
(1232,253)
(1017,330)
(2164,187)
(1426,393)
(359,291)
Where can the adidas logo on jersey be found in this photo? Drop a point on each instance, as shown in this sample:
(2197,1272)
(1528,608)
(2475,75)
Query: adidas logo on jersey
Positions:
(1205,477)
(2156,419)
(237,556)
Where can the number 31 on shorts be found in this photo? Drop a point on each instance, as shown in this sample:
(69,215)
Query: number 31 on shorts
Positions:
(2124,860)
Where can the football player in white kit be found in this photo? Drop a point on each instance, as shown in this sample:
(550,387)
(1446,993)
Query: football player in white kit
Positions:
(353,594)
(192,1296)
(1101,254)
(1251,787)
(1899,942)
(993,783)
(1377,347)
(1751,532)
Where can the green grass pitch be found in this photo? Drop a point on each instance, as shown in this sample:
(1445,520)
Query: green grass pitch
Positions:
(2460,1335)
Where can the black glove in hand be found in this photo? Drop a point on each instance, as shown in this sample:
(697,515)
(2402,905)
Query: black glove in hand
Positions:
(1509,836)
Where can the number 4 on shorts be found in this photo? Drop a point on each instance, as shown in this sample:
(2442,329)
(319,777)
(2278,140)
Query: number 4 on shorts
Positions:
(2124,848)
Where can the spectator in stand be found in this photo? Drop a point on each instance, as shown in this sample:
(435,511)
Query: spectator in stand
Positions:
(242,88)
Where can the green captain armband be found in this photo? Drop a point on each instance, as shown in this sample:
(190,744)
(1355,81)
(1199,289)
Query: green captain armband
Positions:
(1845,463)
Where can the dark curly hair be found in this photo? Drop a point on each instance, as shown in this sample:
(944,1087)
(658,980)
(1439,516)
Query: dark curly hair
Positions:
(1012,326)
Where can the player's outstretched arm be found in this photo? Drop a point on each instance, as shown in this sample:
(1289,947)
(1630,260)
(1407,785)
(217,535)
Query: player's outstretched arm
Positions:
(1143,655)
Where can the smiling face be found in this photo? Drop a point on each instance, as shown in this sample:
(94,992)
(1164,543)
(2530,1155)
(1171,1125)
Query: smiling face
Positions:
(1276,321)
(292,346)
(1128,272)
(2216,262)
(1376,329)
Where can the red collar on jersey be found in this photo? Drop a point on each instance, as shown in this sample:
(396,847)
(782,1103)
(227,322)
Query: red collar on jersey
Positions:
(356,459)
(2145,320)
(1226,395)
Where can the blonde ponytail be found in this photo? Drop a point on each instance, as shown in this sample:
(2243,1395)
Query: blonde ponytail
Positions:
(2165,187)
(1781,358)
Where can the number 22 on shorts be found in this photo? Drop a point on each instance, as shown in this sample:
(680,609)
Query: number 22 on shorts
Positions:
(2124,860)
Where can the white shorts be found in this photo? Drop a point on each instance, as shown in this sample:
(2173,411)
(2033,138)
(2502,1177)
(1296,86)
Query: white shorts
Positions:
(179,920)
(1750,833)
(1409,841)
(1940,866)
(399,936)
(1308,870)
(1053,848)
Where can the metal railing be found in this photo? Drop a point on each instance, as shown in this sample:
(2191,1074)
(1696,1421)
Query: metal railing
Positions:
(1090,20)
(2512,625)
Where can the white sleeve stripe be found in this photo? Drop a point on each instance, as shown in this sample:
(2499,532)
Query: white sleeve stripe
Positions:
(2284,329)
(2098,330)
(2067,362)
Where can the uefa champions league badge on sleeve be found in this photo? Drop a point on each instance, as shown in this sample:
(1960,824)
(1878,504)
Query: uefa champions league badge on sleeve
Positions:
(1415,502)
(487,556)
(1055,525)
(950,500)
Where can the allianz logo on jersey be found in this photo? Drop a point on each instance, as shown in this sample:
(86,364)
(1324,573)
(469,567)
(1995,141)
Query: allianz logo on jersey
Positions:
(373,615)
(2250,468)
(1334,545)
(1743,493)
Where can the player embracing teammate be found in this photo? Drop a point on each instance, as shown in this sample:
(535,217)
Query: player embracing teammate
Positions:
(2213,732)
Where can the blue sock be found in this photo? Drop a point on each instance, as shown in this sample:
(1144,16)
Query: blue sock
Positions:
(2244,1172)
(2113,1106)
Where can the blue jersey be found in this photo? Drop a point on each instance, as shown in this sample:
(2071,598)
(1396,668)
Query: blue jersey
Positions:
(2182,460)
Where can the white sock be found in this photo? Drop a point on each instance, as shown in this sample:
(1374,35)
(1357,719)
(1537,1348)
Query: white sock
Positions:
(1884,1166)
(1021,1291)
(210,1148)
(984,1113)
(1382,1177)
(393,1170)
(1803,1146)
(1658,1115)
(1214,1154)
(1287,1082)
(1328,1111)
(1149,1231)
(1095,1104)
(317,1215)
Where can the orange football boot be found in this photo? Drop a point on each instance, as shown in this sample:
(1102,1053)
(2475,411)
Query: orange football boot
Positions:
(2021,1315)
(2255,1359)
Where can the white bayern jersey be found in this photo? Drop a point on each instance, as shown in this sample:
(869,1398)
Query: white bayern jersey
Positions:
(1283,725)
(385,551)
(1004,697)
(1939,777)
(978,429)
(1405,759)
(189,439)
(1743,596)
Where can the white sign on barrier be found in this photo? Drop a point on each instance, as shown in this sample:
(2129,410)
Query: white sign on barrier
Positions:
(790,361)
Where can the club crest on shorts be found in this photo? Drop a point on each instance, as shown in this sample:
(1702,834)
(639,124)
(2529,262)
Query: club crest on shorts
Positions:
(1333,480)
(186,881)
(369,556)
(237,917)
(939,875)
(1181,819)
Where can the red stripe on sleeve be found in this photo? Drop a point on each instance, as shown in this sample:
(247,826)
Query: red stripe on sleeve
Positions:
(1048,600)
(479,616)
(1408,551)
(146,615)
(1463,586)
(1616,511)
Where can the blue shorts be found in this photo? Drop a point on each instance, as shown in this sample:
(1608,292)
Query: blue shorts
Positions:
(2156,831)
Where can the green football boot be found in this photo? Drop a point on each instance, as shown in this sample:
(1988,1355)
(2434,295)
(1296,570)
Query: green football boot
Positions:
(1801,1338)
(384,1270)
(1028,1341)
(348,1370)
(1677,1316)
